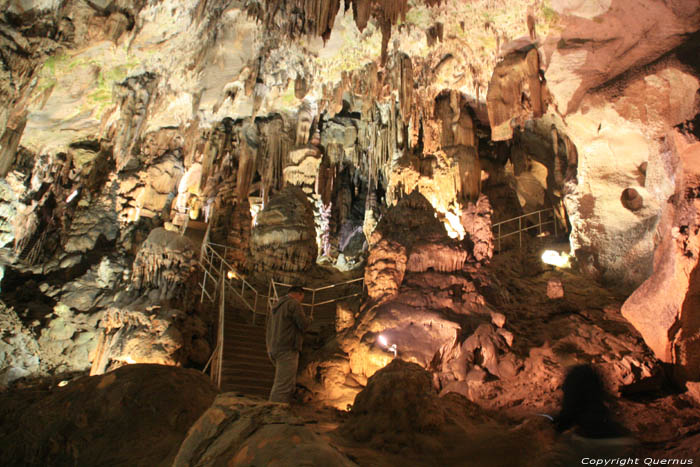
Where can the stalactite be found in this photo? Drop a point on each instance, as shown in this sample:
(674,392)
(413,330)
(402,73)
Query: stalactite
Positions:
(361,12)
(468,176)
(406,87)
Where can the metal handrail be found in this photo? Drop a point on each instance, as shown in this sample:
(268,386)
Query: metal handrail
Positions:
(521,229)
(313,291)
(216,268)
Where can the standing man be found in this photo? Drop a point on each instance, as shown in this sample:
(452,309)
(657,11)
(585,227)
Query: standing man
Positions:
(285,334)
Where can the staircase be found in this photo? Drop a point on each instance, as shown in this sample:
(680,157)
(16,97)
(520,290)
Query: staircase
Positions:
(246,369)
(240,363)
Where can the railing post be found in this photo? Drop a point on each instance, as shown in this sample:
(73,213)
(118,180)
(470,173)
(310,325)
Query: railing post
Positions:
(222,307)
(520,231)
(269,296)
(556,220)
(204,284)
(313,302)
(255,307)
(539,221)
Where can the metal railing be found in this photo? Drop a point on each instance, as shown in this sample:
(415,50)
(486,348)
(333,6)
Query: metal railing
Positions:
(221,280)
(216,267)
(530,221)
(317,294)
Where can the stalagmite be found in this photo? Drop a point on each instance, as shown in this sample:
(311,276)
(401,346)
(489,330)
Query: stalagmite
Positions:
(305,119)
(467,173)
(406,88)
(283,240)
(246,161)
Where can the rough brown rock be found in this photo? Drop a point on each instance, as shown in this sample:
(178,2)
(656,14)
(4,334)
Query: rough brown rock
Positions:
(515,93)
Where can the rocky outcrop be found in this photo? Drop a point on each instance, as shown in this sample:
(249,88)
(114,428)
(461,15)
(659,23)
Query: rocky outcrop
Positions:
(619,134)
(245,432)
(283,239)
(398,400)
(665,308)
(400,412)
(601,41)
(92,222)
(145,407)
(147,192)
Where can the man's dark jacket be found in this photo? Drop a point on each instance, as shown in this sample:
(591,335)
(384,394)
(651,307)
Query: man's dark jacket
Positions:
(285,327)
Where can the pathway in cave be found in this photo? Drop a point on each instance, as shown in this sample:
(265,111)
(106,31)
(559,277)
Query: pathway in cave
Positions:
(246,369)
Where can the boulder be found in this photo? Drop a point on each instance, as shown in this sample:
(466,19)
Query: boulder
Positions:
(246,432)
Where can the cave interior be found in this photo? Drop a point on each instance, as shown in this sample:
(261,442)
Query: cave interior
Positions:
(480,199)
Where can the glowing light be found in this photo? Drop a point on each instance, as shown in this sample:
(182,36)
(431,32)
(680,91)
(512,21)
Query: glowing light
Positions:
(384,343)
(232,275)
(255,208)
(72,196)
(130,360)
(63,384)
(555,259)
(453,224)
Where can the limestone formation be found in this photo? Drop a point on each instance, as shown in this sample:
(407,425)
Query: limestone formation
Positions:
(283,239)
(164,262)
(665,308)
(515,93)
(146,407)
(316,144)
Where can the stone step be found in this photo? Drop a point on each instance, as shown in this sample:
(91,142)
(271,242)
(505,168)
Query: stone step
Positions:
(243,339)
(263,392)
(256,346)
(248,367)
(233,378)
(257,358)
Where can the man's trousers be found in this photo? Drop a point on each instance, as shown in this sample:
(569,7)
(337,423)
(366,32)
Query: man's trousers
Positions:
(286,365)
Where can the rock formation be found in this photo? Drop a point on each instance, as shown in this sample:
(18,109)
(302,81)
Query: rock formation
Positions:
(164,262)
(665,307)
(316,138)
(241,431)
(283,240)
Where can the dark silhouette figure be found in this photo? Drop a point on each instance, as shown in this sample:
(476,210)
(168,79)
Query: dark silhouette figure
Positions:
(586,424)
(583,406)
